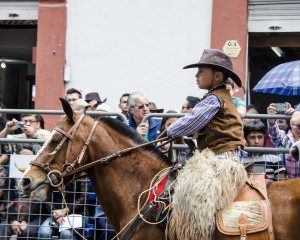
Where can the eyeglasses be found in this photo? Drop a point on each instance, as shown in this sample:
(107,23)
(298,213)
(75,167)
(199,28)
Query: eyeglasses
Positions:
(71,100)
(142,106)
(29,121)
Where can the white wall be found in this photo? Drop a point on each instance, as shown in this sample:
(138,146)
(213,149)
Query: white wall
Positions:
(118,46)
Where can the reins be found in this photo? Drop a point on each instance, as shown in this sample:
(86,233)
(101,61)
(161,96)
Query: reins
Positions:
(117,154)
(55,177)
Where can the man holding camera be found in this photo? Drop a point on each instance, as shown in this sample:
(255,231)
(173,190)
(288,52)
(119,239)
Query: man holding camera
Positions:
(31,129)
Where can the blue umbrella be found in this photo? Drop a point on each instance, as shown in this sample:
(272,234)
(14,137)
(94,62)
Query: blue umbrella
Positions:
(282,80)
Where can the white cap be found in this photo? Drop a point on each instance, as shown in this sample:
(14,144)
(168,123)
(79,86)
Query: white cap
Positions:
(103,108)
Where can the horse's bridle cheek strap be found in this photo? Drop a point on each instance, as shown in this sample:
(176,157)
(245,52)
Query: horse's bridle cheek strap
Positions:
(67,135)
(80,156)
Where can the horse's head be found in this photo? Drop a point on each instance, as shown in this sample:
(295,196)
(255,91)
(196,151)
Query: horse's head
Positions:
(59,155)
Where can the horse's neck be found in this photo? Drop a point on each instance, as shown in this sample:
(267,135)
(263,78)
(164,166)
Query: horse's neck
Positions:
(119,183)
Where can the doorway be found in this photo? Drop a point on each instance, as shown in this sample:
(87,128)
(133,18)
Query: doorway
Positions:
(17,72)
(262,57)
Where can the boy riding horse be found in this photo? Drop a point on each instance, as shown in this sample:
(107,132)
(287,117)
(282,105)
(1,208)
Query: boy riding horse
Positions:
(214,121)
(212,178)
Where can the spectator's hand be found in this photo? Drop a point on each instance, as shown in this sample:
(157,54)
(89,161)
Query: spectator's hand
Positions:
(143,129)
(271,110)
(26,152)
(58,213)
(60,220)
(10,126)
(15,227)
(29,131)
(23,225)
(290,110)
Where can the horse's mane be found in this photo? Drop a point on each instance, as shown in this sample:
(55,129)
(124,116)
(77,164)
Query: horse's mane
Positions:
(126,131)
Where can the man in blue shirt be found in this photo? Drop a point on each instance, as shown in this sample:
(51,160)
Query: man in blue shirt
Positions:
(138,107)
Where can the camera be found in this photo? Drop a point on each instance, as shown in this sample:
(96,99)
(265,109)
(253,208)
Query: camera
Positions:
(19,124)
(281,107)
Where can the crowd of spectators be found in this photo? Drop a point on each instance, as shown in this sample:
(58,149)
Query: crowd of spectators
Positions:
(42,220)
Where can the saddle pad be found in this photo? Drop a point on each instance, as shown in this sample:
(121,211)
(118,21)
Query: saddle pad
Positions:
(255,211)
(158,191)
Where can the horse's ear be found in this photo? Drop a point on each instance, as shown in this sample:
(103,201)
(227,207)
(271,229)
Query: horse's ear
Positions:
(67,109)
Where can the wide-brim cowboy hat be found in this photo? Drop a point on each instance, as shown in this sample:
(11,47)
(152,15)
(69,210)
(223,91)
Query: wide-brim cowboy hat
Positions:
(94,96)
(218,60)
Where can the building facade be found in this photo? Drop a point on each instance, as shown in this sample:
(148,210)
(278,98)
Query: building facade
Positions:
(114,47)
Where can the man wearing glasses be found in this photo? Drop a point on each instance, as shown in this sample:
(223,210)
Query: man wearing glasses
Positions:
(138,106)
(31,127)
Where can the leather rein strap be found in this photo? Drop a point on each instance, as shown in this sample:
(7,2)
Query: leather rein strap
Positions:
(117,154)
(68,169)
(55,177)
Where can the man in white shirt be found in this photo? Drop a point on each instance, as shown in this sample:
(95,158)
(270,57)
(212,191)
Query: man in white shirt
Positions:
(31,129)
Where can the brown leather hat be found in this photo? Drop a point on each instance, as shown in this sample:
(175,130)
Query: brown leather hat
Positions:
(217,59)
(94,96)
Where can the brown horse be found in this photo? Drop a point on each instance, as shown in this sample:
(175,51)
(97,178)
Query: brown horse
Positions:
(119,182)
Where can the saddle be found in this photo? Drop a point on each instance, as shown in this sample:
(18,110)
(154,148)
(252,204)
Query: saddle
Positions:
(250,215)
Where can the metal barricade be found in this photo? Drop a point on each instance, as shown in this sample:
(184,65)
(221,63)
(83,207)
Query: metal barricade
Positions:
(249,116)
(81,201)
(41,224)
(82,196)
(60,112)
(276,156)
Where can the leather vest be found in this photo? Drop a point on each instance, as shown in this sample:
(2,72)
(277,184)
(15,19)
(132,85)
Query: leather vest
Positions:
(225,131)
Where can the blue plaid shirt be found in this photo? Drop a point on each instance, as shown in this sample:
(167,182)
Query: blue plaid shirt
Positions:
(195,120)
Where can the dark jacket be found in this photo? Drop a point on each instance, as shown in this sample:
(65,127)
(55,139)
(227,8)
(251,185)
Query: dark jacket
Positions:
(154,127)
(121,119)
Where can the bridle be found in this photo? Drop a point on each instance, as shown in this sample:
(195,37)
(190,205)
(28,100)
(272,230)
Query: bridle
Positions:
(55,177)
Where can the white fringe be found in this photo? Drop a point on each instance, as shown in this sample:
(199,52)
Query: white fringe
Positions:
(205,185)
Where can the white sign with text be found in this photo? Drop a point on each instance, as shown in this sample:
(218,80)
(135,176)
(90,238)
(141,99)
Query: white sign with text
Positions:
(18,164)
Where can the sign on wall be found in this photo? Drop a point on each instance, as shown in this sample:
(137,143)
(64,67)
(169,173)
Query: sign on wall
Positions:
(232,48)
(18,164)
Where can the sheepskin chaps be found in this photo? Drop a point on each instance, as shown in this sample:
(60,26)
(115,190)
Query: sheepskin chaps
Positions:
(205,185)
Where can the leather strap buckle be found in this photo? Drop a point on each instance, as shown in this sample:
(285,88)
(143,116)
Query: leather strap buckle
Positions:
(54,178)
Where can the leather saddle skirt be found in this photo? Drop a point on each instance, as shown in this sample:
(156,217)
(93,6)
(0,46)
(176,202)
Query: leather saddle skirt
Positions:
(250,216)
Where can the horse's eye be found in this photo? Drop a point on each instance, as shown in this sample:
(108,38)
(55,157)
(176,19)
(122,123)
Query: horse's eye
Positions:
(56,140)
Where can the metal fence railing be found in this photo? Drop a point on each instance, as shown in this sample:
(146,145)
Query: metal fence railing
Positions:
(38,215)
(249,116)
(60,112)
(39,218)
(82,199)
(274,164)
